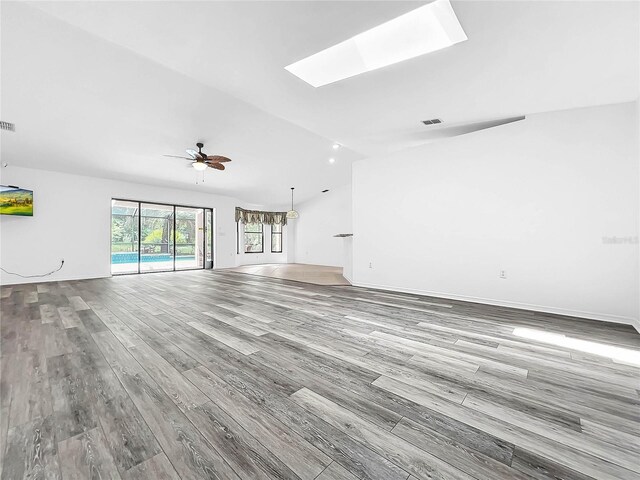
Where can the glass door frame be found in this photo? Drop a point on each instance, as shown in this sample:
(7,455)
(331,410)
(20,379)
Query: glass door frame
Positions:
(205,235)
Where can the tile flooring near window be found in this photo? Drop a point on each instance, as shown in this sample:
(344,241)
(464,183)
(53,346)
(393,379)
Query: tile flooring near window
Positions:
(207,374)
(299,272)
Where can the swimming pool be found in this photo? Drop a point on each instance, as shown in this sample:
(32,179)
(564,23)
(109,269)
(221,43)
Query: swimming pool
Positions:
(132,257)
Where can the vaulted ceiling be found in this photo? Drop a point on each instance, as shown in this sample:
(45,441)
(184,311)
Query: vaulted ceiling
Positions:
(106,88)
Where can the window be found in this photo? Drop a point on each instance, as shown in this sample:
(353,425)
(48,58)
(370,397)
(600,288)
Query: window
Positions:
(253,241)
(276,238)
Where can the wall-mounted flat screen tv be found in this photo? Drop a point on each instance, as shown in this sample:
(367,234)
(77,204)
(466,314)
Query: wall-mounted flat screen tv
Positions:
(16,201)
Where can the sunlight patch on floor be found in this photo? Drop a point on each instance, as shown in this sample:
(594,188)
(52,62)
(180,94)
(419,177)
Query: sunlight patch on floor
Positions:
(617,354)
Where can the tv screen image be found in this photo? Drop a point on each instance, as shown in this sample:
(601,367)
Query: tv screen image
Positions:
(16,201)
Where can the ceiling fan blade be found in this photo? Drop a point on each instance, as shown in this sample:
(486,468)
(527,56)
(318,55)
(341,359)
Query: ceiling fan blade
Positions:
(192,153)
(217,166)
(178,156)
(218,159)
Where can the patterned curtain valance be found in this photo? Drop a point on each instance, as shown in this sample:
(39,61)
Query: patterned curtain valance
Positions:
(256,216)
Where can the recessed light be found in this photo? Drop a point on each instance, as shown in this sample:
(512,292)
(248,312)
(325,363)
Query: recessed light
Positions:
(336,146)
(424,30)
(332,160)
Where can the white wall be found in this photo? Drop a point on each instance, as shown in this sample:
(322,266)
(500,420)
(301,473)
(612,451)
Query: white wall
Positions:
(72,221)
(291,241)
(534,198)
(320,219)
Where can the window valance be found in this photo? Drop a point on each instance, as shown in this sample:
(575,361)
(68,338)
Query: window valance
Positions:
(256,216)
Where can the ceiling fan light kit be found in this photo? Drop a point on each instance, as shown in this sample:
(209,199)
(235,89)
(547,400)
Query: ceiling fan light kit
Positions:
(291,214)
(199,165)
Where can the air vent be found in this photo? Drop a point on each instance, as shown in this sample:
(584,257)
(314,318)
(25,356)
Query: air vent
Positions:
(10,127)
(432,122)
(325,191)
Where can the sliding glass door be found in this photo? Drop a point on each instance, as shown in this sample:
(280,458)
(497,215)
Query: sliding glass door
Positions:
(152,237)
(125,228)
(208,247)
(189,238)
(156,238)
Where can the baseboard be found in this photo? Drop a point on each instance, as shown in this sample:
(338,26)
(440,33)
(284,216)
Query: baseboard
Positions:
(501,303)
(50,279)
(348,279)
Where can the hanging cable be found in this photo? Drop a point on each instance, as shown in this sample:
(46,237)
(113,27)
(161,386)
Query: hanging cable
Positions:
(35,276)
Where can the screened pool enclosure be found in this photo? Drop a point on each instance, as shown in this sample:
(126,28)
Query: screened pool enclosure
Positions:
(154,237)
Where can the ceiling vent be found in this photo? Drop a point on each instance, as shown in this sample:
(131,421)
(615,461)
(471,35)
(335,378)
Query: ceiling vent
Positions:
(10,127)
(432,122)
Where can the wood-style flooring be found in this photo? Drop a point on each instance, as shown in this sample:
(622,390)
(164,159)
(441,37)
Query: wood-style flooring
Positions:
(199,375)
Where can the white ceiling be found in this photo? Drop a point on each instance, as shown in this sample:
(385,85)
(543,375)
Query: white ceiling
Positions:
(105,88)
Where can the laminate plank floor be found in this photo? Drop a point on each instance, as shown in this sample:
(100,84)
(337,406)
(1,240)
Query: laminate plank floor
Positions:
(216,375)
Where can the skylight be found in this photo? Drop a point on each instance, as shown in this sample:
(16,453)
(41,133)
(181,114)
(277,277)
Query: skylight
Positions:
(423,30)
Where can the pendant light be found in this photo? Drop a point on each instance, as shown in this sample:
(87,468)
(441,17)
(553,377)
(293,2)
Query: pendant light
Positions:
(292,213)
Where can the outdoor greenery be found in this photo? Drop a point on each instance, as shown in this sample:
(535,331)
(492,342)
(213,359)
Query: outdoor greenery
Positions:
(156,233)
(253,238)
(124,233)
(158,236)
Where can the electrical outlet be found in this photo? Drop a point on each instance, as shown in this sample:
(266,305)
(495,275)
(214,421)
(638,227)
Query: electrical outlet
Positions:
(503,274)
(370,265)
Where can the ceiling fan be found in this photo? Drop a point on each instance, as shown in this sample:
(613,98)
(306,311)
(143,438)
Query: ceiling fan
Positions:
(200,160)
